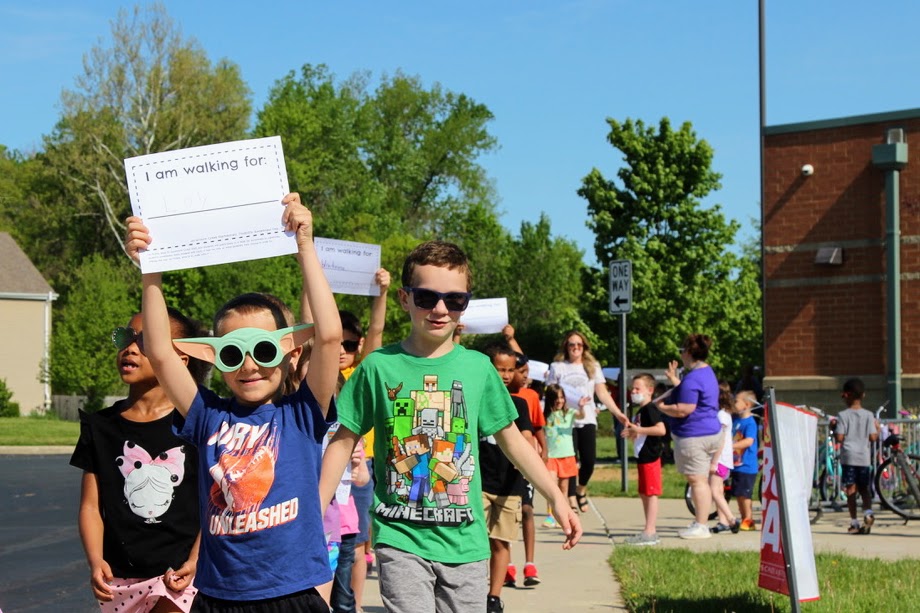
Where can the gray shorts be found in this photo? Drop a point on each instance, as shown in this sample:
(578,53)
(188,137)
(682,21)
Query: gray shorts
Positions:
(693,454)
(409,583)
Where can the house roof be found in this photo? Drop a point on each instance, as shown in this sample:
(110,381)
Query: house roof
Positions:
(18,274)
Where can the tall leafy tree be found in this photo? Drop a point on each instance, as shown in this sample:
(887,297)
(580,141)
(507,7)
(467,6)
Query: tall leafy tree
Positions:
(686,275)
(143,91)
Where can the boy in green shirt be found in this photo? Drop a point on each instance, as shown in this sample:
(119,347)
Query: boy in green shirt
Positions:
(429,401)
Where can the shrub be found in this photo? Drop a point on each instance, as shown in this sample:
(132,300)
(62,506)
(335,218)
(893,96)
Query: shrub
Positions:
(8,408)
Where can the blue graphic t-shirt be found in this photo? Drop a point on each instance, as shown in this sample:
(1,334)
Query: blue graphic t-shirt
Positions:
(261,526)
(746,461)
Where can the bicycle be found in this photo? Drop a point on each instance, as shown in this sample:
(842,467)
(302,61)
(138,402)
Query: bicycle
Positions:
(897,480)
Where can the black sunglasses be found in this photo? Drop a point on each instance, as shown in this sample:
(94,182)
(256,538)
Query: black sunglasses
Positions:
(123,337)
(428,299)
(350,346)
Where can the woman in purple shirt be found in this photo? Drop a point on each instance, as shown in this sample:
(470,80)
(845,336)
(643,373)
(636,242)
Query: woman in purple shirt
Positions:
(693,408)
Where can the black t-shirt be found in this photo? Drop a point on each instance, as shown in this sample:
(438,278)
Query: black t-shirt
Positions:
(148,493)
(499,476)
(649,415)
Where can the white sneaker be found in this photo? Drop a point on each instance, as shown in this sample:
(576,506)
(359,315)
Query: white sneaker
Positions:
(695,531)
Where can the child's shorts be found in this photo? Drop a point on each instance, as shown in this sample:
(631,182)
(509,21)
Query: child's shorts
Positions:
(305,600)
(503,516)
(333,548)
(564,468)
(141,595)
(743,484)
(855,475)
(723,471)
(650,478)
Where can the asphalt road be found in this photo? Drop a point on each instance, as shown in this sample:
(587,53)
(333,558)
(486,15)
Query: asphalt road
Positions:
(42,567)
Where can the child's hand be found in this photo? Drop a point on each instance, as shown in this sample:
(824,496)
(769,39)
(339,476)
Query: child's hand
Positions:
(99,579)
(297,218)
(382,279)
(629,430)
(178,580)
(137,238)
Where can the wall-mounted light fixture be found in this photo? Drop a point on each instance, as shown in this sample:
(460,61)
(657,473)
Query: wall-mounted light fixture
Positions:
(808,170)
(830,256)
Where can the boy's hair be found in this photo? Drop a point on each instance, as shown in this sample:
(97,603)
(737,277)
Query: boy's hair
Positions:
(697,345)
(725,396)
(647,378)
(189,328)
(747,395)
(551,393)
(351,323)
(500,348)
(254,302)
(854,388)
(436,253)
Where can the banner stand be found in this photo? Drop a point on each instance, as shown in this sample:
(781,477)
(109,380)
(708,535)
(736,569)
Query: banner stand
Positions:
(785,521)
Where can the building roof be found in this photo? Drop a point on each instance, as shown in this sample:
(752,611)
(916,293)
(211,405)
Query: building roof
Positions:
(842,122)
(18,275)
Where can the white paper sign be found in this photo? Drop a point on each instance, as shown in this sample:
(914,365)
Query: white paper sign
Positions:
(485,316)
(537,370)
(211,205)
(350,267)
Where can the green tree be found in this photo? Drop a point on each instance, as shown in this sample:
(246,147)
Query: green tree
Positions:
(145,90)
(686,277)
(106,294)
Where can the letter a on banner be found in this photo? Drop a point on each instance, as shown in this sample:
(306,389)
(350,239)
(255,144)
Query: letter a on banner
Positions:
(787,500)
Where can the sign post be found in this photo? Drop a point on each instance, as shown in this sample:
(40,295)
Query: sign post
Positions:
(620,289)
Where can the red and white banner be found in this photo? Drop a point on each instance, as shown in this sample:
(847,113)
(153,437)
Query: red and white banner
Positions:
(797,430)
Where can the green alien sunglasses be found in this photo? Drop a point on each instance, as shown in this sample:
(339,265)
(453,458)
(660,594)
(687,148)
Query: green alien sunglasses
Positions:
(228,352)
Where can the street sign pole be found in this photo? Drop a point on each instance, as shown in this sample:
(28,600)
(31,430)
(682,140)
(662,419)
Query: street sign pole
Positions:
(620,289)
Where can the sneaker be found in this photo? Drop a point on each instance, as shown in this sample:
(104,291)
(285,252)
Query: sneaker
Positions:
(747,525)
(511,576)
(695,531)
(530,574)
(642,539)
(854,528)
(494,604)
(735,526)
(550,522)
(720,527)
(868,520)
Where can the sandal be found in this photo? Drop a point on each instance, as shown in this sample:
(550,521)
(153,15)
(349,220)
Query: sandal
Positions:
(582,502)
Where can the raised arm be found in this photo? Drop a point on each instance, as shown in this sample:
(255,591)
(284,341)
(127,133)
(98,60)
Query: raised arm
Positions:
(327,339)
(169,367)
(508,333)
(374,337)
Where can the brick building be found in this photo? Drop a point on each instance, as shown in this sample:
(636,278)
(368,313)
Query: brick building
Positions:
(824,237)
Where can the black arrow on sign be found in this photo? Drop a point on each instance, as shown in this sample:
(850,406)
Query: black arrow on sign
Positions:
(619,300)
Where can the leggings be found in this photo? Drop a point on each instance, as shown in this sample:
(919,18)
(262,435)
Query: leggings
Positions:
(585,439)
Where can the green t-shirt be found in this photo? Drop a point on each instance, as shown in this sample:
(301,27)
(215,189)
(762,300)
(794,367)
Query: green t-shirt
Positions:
(428,415)
(558,431)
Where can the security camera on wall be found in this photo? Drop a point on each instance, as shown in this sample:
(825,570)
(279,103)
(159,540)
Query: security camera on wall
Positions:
(808,170)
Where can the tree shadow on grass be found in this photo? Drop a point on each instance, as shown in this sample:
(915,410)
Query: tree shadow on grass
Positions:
(706,605)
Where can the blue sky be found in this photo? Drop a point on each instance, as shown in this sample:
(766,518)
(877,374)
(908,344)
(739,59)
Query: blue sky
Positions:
(550,71)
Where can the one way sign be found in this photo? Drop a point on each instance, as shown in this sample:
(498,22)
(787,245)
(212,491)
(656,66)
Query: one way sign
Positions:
(620,287)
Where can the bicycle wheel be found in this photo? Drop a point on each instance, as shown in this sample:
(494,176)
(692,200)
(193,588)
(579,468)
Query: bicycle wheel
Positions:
(688,500)
(894,490)
(815,510)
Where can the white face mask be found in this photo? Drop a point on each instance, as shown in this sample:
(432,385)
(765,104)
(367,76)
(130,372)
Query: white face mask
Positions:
(637,398)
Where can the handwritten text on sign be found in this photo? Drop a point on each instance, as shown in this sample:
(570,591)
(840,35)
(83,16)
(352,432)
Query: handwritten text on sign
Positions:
(350,267)
(211,205)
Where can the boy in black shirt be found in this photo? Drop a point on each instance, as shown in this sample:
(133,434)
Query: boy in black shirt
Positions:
(647,432)
(502,484)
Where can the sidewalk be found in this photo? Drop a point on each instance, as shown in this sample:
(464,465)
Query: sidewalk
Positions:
(581,579)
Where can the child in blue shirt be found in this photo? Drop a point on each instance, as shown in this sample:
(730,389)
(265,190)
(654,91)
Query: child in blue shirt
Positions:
(744,455)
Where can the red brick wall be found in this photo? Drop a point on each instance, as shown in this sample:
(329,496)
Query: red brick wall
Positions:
(812,326)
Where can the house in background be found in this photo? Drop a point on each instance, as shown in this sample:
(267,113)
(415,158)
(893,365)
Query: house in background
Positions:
(826,314)
(25,327)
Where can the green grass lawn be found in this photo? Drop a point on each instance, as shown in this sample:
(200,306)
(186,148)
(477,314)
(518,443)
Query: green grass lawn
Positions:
(22,431)
(664,580)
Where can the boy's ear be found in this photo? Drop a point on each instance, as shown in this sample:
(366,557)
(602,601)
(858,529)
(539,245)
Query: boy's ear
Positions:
(403,297)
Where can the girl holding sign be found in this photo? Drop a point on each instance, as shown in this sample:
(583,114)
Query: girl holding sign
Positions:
(262,541)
